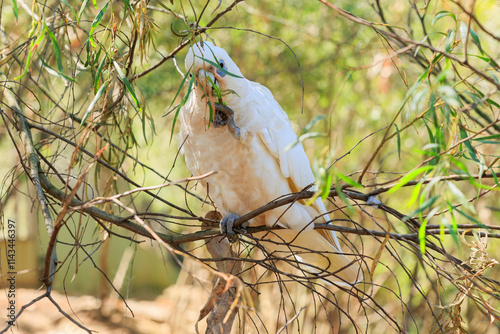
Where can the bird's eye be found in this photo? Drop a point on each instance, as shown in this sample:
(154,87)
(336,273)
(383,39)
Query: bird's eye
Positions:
(221,63)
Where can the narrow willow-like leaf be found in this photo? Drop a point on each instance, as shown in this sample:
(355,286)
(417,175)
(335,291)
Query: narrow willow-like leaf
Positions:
(55,45)
(55,72)
(462,166)
(94,101)
(408,177)
(127,6)
(305,134)
(417,49)
(220,68)
(180,86)
(442,14)
(493,139)
(348,180)
(342,196)
(398,139)
(98,73)
(449,95)
(494,176)
(162,5)
(14,8)
(143,121)
(426,204)
(464,30)
(468,145)
(327,185)
(422,230)
(82,8)
(415,193)
(450,38)
(183,102)
(315,120)
(477,222)
(454,227)
(33,46)
(179,28)
(127,83)
(70,8)
(95,24)
(475,40)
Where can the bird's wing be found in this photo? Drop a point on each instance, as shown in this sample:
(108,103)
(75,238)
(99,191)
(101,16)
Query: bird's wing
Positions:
(278,136)
(293,161)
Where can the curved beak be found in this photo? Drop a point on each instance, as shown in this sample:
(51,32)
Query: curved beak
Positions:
(207,79)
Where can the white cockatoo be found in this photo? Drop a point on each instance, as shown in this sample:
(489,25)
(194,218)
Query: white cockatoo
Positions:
(248,149)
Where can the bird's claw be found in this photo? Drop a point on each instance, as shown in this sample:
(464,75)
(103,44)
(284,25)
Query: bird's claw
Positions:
(226,227)
(225,116)
(372,200)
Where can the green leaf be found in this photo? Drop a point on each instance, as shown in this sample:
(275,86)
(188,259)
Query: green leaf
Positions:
(468,145)
(326,185)
(449,95)
(493,102)
(426,204)
(180,86)
(162,5)
(343,197)
(475,40)
(82,8)
(494,176)
(483,58)
(33,46)
(348,180)
(183,102)
(442,14)
(415,193)
(127,6)
(98,72)
(408,177)
(55,72)
(464,30)
(95,24)
(398,141)
(57,50)
(454,226)
(94,101)
(143,121)
(70,8)
(459,195)
(127,83)
(450,38)
(220,68)
(14,8)
(422,229)
(417,49)
(179,27)
(305,134)
(493,139)
(470,218)
(309,126)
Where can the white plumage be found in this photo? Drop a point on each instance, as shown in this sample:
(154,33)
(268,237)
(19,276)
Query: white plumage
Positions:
(255,168)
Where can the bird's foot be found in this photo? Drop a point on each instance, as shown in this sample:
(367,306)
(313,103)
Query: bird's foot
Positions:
(226,227)
(372,200)
(225,116)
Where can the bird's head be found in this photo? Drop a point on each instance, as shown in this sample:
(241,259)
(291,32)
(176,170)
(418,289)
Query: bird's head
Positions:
(212,66)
